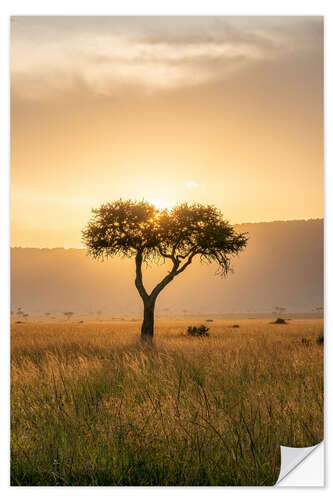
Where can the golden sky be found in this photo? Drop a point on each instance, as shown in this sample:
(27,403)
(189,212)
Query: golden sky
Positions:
(222,110)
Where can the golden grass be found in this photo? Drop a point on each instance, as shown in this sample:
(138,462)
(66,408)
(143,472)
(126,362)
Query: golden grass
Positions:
(90,405)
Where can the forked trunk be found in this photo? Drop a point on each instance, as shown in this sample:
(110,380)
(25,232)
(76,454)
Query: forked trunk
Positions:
(147,328)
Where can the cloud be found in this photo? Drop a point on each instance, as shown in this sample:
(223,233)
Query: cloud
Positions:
(104,57)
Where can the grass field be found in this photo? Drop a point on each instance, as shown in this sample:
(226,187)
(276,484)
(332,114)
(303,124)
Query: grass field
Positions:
(91,406)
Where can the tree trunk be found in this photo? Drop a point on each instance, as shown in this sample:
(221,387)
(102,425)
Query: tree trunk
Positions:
(147,328)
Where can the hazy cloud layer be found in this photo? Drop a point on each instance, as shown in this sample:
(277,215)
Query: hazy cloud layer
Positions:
(53,56)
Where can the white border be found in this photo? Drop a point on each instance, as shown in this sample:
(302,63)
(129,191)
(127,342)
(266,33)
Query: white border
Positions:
(142,7)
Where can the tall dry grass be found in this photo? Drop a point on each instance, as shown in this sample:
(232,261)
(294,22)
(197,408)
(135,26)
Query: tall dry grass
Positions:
(91,406)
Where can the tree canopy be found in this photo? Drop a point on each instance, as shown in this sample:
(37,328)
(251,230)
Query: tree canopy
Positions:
(126,228)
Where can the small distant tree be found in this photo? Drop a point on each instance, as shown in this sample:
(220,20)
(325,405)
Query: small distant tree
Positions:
(140,230)
(47,314)
(25,316)
(68,314)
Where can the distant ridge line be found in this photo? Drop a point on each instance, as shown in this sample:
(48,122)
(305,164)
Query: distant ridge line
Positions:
(236,224)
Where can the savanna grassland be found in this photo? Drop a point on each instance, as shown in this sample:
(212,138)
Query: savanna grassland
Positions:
(91,406)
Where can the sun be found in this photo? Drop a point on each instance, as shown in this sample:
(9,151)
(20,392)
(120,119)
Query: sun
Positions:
(161,204)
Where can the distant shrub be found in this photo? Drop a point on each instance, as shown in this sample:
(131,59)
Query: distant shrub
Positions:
(279,321)
(68,314)
(320,339)
(209,320)
(306,342)
(198,331)
(235,326)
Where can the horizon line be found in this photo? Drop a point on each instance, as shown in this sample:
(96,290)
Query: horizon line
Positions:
(235,224)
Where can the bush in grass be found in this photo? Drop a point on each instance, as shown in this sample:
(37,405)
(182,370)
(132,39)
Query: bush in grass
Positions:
(279,321)
(198,331)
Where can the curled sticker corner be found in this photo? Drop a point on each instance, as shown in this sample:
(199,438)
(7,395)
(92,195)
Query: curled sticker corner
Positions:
(292,457)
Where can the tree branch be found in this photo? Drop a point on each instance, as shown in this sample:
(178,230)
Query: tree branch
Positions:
(187,263)
(174,272)
(138,280)
(169,277)
(168,255)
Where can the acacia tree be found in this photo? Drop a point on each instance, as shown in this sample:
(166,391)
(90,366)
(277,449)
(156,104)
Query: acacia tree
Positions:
(140,230)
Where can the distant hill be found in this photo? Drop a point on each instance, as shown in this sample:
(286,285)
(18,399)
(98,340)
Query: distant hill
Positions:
(282,266)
